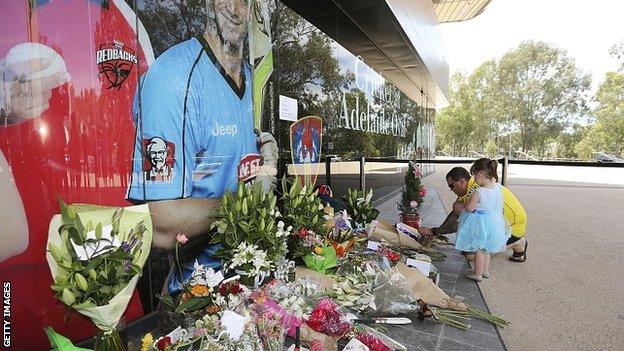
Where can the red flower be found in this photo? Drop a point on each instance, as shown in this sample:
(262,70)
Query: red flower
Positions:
(391,254)
(231,288)
(325,318)
(303,232)
(163,343)
(372,342)
(422,192)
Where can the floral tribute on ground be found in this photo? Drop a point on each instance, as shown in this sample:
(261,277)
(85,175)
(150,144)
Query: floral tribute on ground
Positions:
(293,267)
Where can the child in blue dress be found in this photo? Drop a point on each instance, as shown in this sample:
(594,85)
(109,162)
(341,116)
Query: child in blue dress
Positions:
(482,228)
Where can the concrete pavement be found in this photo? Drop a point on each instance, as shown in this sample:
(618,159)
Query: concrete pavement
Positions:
(569,295)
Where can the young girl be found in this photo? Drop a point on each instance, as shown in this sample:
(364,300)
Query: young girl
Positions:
(482,228)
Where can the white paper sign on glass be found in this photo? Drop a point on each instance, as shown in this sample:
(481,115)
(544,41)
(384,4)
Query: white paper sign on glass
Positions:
(287,108)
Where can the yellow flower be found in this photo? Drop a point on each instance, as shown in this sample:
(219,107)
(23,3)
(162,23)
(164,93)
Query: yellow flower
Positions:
(199,290)
(147,342)
(318,250)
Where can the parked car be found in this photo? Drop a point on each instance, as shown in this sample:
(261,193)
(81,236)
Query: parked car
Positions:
(601,157)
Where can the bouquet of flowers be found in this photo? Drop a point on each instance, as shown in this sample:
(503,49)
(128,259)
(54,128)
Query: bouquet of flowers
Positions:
(206,292)
(96,255)
(327,318)
(226,331)
(303,213)
(412,196)
(341,234)
(252,237)
(270,328)
(360,207)
(367,282)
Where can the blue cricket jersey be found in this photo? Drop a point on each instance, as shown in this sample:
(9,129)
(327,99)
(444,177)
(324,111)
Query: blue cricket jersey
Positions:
(187,102)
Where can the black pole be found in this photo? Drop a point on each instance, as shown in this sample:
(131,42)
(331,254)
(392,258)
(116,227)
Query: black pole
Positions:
(328,171)
(362,174)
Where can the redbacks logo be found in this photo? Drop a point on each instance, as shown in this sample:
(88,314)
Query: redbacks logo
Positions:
(248,167)
(115,61)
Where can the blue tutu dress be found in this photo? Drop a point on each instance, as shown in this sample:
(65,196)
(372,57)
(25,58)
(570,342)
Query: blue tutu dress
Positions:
(486,228)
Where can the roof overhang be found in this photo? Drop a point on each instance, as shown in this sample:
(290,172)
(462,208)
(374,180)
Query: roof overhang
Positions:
(399,39)
(459,10)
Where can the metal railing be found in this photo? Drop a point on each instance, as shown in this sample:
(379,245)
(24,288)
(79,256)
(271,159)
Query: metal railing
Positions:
(504,162)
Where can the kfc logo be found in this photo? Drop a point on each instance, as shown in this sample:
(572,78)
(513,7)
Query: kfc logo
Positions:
(248,167)
(115,61)
(158,162)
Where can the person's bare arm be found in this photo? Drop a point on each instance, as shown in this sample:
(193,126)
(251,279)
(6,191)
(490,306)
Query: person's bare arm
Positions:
(458,206)
(471,203)
(14,228)
(191,216)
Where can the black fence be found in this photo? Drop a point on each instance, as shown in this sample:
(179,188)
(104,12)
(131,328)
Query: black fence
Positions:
(504,162)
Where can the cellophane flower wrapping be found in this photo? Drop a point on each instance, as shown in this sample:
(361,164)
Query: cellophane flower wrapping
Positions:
(106,316)
(328,318)
(293,300)
(374,276)
(269,321)
(376,340)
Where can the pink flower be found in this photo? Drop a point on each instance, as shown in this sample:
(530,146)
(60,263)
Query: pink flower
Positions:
(181,238)
(422,192)
(417,173)
(414,204)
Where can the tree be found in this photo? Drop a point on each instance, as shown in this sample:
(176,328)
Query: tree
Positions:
(491,148)
(539,88)
(608,132)
(617,51)
(455,124)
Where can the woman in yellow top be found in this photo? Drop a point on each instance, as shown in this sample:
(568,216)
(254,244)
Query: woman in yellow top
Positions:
(462,184)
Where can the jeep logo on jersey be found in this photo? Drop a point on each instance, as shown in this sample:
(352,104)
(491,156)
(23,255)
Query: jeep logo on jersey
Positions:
(248,167)
(115,61)
(227,129)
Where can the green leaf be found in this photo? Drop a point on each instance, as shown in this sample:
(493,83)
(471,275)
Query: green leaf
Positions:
(167,300)
(55,251)
(75,236)
(193,304)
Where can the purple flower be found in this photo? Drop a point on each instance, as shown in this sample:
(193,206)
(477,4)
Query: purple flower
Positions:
(126,266)
(125,246)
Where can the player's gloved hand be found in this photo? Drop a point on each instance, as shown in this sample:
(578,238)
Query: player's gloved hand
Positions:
(269,153)
(34,70)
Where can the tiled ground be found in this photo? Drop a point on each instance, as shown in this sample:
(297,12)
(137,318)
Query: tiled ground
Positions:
(429,335)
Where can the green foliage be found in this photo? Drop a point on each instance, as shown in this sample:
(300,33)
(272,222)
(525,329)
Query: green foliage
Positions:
(491,148)
(321,263)
(302,209)
(246,216)
(412,191)
(534,91)
(94,282)
(360,208)
(608,132)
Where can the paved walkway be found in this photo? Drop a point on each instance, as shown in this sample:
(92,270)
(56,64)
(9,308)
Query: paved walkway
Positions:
(569,294)
(429,335)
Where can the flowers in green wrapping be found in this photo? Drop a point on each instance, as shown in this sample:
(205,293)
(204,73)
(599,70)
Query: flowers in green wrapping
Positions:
(323,258)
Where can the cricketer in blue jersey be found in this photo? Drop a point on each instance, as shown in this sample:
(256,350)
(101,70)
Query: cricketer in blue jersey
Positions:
(195,136)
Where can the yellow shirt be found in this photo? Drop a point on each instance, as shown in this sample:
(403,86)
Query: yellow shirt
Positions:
(512,209)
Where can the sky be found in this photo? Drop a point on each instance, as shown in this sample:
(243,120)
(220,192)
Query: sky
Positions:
(586,29)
